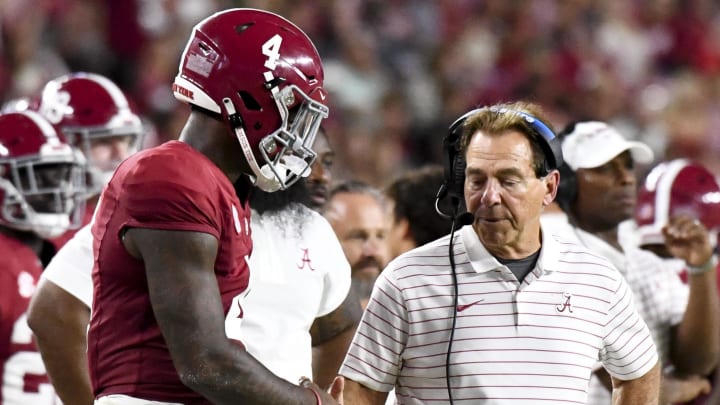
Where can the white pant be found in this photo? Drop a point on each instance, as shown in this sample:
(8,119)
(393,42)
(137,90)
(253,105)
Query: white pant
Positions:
(118,399)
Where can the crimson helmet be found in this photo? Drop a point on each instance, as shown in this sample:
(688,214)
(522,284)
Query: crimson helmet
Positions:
(90,110)
(20,104)
(677,187)
(42,177)
(264,77)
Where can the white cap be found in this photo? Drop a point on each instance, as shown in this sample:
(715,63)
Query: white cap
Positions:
(593,143)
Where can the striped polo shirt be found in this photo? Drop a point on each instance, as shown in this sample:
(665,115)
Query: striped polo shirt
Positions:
(514,343)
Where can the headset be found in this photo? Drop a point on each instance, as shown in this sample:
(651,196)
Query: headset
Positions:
(567,189)
(454,184)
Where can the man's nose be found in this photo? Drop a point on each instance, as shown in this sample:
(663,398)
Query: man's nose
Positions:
(491,194)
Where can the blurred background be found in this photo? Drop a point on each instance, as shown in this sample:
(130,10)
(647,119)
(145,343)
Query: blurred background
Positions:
(400,71)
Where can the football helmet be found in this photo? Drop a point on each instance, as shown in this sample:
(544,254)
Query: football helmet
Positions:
(264,77)
(42,177)
(676,187)
(93,113)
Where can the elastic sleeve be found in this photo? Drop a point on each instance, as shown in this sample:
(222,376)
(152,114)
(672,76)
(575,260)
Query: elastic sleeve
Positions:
(71,267)
(629,351)
(375,355)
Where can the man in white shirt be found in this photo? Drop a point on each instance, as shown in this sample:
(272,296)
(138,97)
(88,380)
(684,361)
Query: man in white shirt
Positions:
(501,312)
(598,191)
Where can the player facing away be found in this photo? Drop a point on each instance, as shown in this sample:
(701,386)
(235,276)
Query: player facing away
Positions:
(41,191)
(171,237)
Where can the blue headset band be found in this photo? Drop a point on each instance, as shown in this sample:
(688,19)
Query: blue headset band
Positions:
(535,123)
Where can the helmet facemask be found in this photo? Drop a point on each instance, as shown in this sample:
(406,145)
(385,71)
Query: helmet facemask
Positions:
(130,134)
(286,154)
(45,197)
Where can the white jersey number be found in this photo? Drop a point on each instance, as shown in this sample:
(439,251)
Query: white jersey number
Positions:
(23,370)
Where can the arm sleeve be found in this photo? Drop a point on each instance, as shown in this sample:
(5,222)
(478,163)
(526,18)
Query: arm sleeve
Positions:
(629,351)
(337,278)
(71,268)
(375,354)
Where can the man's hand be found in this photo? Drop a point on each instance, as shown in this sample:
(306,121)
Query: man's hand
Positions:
(687,239)
(675,390)
(333,395)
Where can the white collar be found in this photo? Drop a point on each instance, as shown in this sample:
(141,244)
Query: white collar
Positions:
(482,261)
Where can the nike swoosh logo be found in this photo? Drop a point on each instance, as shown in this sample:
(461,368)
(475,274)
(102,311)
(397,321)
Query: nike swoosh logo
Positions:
(461,308)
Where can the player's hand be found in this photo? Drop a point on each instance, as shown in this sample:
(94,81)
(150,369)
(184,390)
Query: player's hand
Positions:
(687,239)
(332,396)
(675,390)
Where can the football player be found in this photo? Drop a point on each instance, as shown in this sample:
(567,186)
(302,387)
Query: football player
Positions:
(172,237)
(41,195)
(96,117)
(680,190)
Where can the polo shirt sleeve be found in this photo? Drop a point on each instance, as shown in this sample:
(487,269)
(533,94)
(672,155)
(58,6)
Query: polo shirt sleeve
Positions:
(374,357)
(628,349)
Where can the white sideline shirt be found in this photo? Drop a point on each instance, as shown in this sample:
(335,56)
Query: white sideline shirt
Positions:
(660,295)
(71,267)
(515,343)
(298,272)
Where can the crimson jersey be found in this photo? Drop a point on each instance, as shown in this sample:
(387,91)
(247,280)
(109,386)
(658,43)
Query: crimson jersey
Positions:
(169,187)
(22,372)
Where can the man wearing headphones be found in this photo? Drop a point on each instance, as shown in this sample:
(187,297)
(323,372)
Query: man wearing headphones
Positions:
(598,191)
(501,312)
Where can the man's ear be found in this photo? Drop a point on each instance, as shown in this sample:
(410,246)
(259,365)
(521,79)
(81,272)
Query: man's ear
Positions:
(552,181)
(404,228)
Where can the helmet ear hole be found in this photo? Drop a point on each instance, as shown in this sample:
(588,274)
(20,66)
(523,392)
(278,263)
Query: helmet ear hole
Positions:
(249,101)
(242,27)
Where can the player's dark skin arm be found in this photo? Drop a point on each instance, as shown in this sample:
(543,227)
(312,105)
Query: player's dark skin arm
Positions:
(331,337)
(186,303)
(695,342)
(59,322)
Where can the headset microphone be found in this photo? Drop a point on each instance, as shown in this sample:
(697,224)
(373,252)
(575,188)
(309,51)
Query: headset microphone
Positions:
(465,218)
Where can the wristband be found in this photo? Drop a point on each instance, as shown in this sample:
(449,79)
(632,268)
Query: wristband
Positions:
(710,265)
(317,395)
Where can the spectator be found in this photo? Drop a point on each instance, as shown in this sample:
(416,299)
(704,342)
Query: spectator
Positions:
(598,192)
(511,314)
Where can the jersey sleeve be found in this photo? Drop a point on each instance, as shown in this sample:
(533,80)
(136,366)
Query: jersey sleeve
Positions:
(337,278)
(171,192)
(71,267)
(375,354)
(628,349)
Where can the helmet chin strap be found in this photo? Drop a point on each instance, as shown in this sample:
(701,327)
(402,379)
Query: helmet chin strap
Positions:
(264,178)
